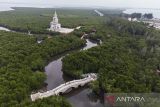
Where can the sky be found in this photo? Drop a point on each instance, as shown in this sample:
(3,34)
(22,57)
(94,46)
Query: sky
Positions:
(91,3)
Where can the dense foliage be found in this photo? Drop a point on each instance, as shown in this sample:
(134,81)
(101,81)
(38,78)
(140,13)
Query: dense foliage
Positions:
(37,20)
(127,61)
(21,61)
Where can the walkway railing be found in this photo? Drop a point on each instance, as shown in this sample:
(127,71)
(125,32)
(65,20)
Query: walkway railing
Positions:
(64,87)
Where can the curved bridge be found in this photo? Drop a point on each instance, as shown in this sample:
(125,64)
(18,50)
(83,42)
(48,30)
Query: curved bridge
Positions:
(64,87)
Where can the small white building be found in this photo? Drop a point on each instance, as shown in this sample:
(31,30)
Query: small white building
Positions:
(55,25)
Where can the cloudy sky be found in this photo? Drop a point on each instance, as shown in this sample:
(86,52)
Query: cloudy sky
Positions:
(91,3)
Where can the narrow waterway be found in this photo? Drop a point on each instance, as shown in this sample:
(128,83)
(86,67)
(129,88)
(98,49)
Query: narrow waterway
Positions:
(54,72)
(81,97)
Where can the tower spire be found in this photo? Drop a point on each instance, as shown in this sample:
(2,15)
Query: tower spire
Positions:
(55,14)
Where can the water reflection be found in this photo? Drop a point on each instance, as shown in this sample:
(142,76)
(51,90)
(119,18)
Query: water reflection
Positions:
(81,97)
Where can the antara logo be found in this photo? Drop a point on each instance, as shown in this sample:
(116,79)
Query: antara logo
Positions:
(112,100)
(130,99)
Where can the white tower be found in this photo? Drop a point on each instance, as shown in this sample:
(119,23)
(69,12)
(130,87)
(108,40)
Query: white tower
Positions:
(54,25)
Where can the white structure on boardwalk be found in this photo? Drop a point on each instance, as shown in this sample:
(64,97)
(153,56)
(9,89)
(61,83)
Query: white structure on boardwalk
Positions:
(64,87)
(55,25)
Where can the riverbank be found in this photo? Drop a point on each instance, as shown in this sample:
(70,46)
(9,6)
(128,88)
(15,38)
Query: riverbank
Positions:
(56,77)
(25,61)
(38,20)
(55,74)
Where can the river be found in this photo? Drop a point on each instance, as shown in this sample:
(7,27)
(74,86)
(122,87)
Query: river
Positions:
(81,97)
